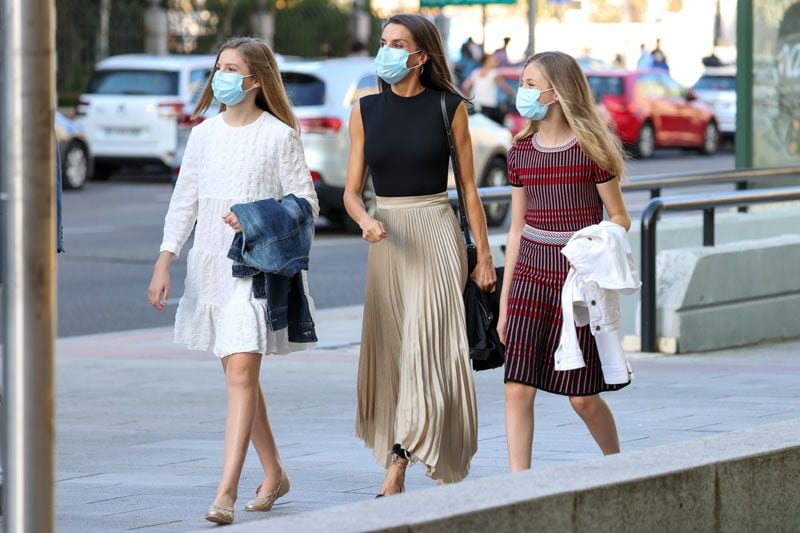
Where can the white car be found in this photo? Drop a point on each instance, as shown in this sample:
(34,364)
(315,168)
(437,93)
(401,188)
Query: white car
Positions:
(717,88)
(322,95)
(132,104)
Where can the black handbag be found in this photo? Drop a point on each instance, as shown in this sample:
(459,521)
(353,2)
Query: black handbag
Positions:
(481,307)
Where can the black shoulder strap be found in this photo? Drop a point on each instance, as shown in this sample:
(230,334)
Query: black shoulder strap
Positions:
(462,208)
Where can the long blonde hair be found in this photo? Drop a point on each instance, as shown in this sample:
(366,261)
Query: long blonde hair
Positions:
(263,66)
(575,97)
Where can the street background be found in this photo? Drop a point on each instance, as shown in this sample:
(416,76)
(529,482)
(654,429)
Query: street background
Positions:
(140,420)
(113,231)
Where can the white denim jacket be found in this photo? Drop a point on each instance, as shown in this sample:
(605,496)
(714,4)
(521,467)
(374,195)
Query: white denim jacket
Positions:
(601,267)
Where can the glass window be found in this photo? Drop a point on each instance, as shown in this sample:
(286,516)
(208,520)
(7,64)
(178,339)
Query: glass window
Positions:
(365,86)
(197,79)
(134,82)
(716,83)
(674,89)
(304,89)
(651,86)
(602,86)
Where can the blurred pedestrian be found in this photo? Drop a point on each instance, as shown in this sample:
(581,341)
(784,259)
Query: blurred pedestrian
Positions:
(659,59)
(249,152)
(486,82)
(416,398)
(645,58)
(477,49)
(467,63)
(712,60)
(565,167)
(501,54)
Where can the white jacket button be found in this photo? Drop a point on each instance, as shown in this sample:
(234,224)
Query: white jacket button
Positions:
(594,303)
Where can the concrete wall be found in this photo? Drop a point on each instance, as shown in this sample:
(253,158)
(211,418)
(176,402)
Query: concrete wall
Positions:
(729,295)
(681,231)
(742,481)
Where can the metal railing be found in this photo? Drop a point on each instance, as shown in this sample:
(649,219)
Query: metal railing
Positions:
(707,203)
(657,182)
(741,178)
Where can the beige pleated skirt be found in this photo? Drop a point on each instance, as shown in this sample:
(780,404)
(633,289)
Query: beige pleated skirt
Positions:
(415,383)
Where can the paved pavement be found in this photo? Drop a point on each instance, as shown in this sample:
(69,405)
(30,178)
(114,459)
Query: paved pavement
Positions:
(140,422)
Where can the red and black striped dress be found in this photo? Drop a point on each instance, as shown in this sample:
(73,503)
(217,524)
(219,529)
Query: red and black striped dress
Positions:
(560,185)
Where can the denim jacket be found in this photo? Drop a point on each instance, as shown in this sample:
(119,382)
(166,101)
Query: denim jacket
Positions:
(273,249)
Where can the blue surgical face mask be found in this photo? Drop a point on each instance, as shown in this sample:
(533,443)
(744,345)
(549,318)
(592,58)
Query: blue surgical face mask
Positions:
(528,103)
(390,64)
(227,87)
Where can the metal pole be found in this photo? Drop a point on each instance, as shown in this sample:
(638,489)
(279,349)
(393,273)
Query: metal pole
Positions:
(29,250)
(532,4)
(708,227)
(483,29)
(744,84)
(742,186)
(648,311)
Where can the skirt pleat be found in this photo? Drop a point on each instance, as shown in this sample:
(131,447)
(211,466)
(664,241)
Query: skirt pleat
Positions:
(415,383)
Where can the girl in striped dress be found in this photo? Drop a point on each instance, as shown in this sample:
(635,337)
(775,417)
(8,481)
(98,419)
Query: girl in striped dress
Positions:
(565,167)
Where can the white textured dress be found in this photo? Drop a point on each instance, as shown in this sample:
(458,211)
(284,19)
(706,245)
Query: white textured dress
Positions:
(223,166)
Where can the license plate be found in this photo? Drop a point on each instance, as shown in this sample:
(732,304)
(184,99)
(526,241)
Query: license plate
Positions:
(123,131)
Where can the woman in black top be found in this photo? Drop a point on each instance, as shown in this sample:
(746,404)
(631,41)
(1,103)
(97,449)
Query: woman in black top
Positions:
(416,398)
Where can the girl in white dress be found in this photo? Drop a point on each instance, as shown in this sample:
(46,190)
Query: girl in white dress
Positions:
(250,151)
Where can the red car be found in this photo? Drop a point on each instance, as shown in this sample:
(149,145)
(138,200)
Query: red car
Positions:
(647,109)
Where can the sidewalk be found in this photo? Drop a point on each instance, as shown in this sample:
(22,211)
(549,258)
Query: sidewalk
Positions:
(140,422)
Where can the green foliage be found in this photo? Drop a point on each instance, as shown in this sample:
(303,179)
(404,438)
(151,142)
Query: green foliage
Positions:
(312,28)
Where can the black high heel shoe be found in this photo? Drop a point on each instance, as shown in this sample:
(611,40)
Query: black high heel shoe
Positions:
(400,460)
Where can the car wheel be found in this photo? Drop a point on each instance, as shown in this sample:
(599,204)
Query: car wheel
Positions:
(370,203)
(495,175)
(710,139)
(74,166)
(646,143)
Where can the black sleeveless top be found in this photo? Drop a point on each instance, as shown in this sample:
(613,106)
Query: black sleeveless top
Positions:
(405,142)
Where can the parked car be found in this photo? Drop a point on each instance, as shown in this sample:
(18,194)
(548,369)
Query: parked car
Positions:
(592,63)
(322,94)
(647,109)
(77,164)
(130,109)
(717,88)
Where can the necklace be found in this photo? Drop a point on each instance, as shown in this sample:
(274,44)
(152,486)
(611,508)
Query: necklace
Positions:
(538,139)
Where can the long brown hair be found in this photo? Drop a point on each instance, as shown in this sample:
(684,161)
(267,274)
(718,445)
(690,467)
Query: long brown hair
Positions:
(575,97)
(263,66)
(435,73)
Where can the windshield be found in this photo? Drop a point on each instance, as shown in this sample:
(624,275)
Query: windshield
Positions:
(606,86)
(304,89)
(716,83)
(134,82)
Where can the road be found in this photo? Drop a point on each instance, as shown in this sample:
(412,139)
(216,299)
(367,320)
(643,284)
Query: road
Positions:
(113,229)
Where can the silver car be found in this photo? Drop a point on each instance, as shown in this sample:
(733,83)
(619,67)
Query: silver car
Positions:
(717,88)
(322,95)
